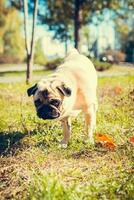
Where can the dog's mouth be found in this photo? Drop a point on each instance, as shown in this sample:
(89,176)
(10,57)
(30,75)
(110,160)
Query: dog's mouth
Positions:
(48,112)
(48,116)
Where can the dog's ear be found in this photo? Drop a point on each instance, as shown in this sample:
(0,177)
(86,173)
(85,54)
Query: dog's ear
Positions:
(32,90)
(63,89)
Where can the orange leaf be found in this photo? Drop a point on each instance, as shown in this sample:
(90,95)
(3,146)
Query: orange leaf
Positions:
(105,141)
(131,139)
(117,90)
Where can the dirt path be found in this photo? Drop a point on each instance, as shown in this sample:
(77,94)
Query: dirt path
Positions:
(18,67)
(16,79)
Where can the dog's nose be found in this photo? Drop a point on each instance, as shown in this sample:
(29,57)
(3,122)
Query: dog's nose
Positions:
(39,114)
(47,112)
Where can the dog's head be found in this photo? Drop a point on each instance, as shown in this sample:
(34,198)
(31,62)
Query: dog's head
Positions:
(48,98)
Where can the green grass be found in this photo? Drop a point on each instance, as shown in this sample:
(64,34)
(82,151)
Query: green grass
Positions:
(32,166)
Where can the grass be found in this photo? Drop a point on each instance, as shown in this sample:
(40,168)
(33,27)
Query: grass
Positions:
(33,167)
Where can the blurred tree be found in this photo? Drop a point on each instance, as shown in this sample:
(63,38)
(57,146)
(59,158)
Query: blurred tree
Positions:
(11,40)
(77,23)
(58,16)
(122,29)
(124,24)
(39,57)
(29,8)
(63,16)
(86,36)
(129,47)
(29,44)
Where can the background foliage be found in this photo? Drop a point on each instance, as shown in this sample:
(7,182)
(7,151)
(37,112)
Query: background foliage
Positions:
(59,17)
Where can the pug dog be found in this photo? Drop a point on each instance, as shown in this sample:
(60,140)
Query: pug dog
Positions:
(66,92)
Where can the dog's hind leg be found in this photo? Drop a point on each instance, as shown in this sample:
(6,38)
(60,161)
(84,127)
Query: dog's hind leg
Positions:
(66,123)
(90,119)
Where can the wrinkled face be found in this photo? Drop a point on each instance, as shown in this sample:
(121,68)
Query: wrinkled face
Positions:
(48,105)
(48,99)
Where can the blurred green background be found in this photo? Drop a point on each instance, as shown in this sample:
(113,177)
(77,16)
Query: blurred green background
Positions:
(105,30)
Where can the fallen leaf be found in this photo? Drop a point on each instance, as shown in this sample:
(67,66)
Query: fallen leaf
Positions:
(131,139)
(105,141)
(117,90)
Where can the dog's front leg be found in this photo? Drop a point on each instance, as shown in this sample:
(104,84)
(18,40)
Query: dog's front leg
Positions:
(90,119)
(66,123)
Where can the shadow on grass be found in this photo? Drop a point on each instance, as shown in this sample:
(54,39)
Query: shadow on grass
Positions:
(9,140)
(124,151)
(89,153)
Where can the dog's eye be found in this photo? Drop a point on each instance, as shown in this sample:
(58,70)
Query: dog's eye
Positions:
(37,103)
(45,93)
(55,102)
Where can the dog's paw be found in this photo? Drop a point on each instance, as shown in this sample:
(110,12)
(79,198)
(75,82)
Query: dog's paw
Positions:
(62,146)
(89,141)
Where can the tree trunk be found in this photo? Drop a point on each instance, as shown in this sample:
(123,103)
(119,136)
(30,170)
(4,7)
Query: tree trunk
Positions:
(77,24)
(29,69)
(26,27)
(66,46)
(29,44)
(33,30)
